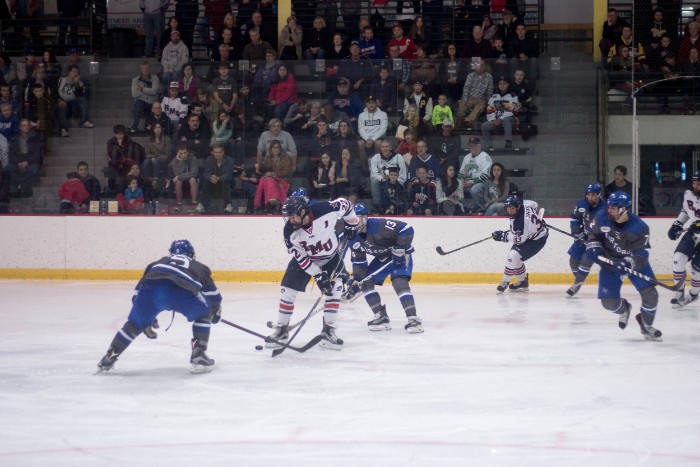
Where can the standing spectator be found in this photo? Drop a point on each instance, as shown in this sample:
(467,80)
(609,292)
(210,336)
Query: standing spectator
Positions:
(291,37)
(173,25)
(122,153)
(257,49)
(175,106)
(218,179)
(153,11)
(276,132)
(449,193)
(689,42)
(453,71)
(264,77)
(189,83)
(158,149)
(355,68)
(175,55)
(283,93)
(478,88)
(393,194)
(350,10)
(224,91)
(156,115)
(371,126)
(73,95)
(145,89)
(91,183)
(183,172)
(186,12)
(72,194)
(502,110)
(619,183)
(276,170)
(197,139)
(421,194)
(384,89)
(498,188)
(25,161)
(69,11)
(378,171)
(424,159)
(407,49)
(473,173)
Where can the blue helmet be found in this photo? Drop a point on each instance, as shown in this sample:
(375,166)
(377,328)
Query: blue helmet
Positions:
(361,210)
(182,247)
(594,188)
(294,205)
(620,199)
(513,201)
(301,191)
(696,176)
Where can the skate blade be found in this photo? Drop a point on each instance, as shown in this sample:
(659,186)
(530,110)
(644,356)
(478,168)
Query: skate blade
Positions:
(274,345)
(652,338)
(380,327)
(329,345)
(198,369)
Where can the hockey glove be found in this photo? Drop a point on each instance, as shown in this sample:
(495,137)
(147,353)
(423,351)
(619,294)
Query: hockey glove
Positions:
(351,230)
(324,283)
(500,235)
(216,312)
(398,256)
(675,231)
(623,263)
(593,250)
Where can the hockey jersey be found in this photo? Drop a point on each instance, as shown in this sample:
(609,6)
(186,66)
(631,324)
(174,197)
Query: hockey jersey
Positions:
(526,225)
(621,240)
(690,211)
(583,214)
(379,237)
(176,109)
(186,273)
(474,166)
(502,106)
(315,245)
(379,165)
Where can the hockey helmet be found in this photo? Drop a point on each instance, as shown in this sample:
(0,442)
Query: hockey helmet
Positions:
(594,188)
(293,206)
(622,201)
(361,210)
(182,247)
(513,201)
(301,191)
(696,176)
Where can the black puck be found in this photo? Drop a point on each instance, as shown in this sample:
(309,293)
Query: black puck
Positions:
(258,347)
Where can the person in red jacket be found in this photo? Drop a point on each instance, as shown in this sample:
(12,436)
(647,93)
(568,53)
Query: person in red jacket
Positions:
(72,194)
(283,94)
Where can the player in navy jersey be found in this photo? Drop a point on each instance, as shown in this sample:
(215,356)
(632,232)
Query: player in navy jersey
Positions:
(581,217)
(689,245)
(386,240)
(179,283)
(528,233)
(623,237)
(310,236)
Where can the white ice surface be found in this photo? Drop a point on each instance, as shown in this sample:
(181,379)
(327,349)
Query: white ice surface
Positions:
(518,380)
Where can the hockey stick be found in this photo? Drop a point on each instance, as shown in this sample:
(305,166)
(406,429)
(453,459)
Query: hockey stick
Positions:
(674,288)
(561,231)
(443,252)
(301,349)
(339,266)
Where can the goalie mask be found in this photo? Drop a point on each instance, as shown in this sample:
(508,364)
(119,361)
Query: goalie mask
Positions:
(618,204)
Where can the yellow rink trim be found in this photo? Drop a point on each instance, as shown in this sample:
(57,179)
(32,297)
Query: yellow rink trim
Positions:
(276,276)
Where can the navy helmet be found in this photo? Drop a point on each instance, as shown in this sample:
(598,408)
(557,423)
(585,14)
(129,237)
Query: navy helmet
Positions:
(594,188)
(361,210)
(294,205)
(620,199)
(182,247)
(513,201)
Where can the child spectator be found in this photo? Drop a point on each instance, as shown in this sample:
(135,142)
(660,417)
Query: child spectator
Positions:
(441,112)
(393,194)
(408,147)
(72,194)
(422,195)
(131,202)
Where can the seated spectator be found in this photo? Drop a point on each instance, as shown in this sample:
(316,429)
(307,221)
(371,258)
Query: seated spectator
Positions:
(407,48)
(175,55)
(158,150)
(521,87)
(335,53)
(131,201)
(222,132)
(348,174)
(449,193)
(323,179)
(446,146)
(371,47)
(378,171)
(334,117)
(651,37)
(489,29)
(51,67)
(175,106)
(692,66)
(670,68)
(225,61)
(321,142)
(478,88)
(441,112)
(502,111)
(343,100)
(276,133)
(626,40)
(282,95)
(197,139)
(249,183)
(689,42)
(371,126)
(400,69)
(423,71)
(473,172)
(412,121)
(218,179)
(9,122)
(72,194)
(421,195)
(612,31)
(183,171)
(264,77)
(478,46)
(91,183)
(291,37)
(173,25)
(204,101)
(8,74)
(424,159)
(24,161)
(38,77)
(393,194)
(453,72)
(157,115)
(344,138)
(499,60)
(188,83)
(419,33)
(122,153)
(198,110)
(145,89)
(316,41)
(383,88)
(509,22)
(257,49)
(72,92)
(231,41)
(276,171)
(524,51)
(356,68)
(224,91)
(656,55)
(6,95)
(408,147)
(497,188)
(301,118)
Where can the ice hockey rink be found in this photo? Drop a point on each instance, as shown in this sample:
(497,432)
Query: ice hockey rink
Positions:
(526,379)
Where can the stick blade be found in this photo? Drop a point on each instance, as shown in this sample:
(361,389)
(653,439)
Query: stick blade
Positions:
(440,250)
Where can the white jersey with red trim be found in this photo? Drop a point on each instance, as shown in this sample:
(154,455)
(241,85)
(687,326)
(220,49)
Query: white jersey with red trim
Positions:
(690,211)
(315,245)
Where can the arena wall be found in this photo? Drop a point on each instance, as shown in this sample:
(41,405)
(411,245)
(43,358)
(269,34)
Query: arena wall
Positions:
(250,249)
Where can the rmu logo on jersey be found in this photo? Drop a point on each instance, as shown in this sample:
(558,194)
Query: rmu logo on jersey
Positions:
(317,248)
(605,229)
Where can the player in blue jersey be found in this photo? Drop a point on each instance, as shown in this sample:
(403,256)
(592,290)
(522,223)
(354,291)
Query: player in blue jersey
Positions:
(623,237)
(581,217)
(688,247)
(310,236)
(179,283)
(528,233)
(386,240)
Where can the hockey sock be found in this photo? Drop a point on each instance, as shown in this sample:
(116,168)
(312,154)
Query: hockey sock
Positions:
(694,281)
(330,309)
(286,308)
(124,337)
(519,273)
(679,262)
(650,298)
(403,290)
(200,331)
(373,299)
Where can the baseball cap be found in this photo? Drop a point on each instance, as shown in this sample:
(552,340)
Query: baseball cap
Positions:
(357,43)
(474,140)
(343,81)
(371,98)
(28,51)
(397,25)
(174,84)
(448,122)
(175,32)
(503,78)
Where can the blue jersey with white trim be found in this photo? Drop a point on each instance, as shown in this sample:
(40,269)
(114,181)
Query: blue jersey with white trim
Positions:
(186,273)
(379,237)
(583,214)
(622,240)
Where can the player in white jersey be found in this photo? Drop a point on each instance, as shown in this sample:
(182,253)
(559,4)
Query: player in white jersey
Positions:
(528,233)
(689,245)
(310,236)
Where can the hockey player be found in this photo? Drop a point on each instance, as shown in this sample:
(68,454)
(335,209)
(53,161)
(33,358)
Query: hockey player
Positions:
(688,246)
(311,238)
(176,282)
(581,217)
(385,240)
(622,237)
(528,233)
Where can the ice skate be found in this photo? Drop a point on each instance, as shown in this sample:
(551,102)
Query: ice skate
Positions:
(502,287)
(281,334)
(573,290)
(414,325)
(685,300)
(107,362)
(330,339)
(201,363)
(380,322)
(624,315)
(677,298)
(649,332)
(523,286)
